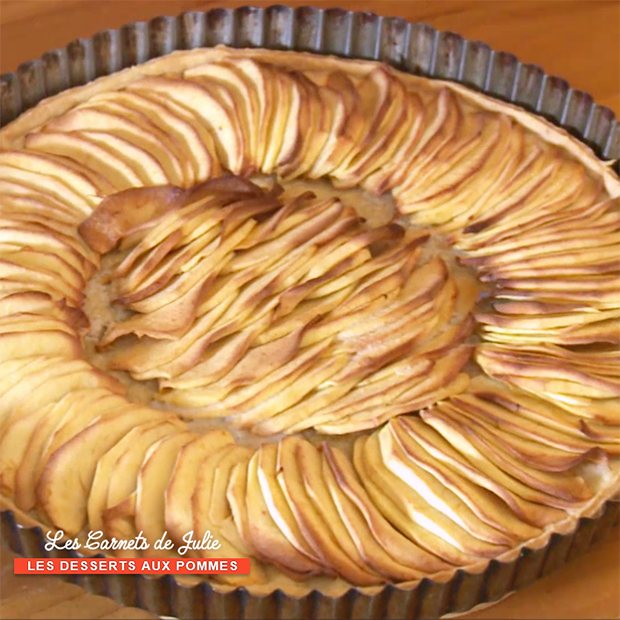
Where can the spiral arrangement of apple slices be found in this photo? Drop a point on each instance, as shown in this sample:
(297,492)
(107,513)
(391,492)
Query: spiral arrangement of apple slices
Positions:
(282,313)
(285,323)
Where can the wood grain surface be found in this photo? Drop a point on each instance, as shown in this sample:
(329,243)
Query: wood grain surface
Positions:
(576,40)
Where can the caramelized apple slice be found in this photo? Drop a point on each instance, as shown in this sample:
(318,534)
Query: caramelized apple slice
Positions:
(89,153)
(300,479)
(183,479)
(382,546)
(440,531)
(121,212)
(153,479)
(208,109)
(524,501)
(150,140)
(203,499)
(59,482)
(138,440)
(191,143)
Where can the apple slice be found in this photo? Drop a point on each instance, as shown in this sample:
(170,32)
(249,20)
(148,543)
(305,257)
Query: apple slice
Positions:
(484,504)
(340,401)
(178,506)
(245,100)
(537,451)
(120,522)
(524,501)
(188,140)
(50,378)
(62,490)
(118,214)
(124,480)
(32,431)
(274,134)
(269,467)
(263,85)
(267,538)
(389,114)
(314,124)
(173,156)
(60,170)
(26,322)
(341,97)
(168,322)
(142,162)
(559,489)
(16,434)
(207,108)
(65,410)
(204,500)
(415,517)
(290,131)
(383,450)
(39,221)
(300,479)
(151,301)
(89,119)
(102,185)
(83,415)
(384,548)
(144,435)
(453,207)
(44,210)
(153,480)
(456,161)
(37,303)
(220,358)
(51,262)
(25,278)
(32,181)
(48,342)
(314,376)
(89,153)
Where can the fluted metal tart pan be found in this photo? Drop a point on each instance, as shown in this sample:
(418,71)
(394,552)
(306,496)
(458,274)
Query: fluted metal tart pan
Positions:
(412,47)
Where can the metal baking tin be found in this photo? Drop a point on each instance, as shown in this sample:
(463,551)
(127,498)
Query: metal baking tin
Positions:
(412,47)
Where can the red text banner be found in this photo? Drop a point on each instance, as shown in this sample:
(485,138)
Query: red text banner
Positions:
(151,566)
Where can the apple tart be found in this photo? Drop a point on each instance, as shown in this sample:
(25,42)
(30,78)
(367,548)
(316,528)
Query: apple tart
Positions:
(358,325)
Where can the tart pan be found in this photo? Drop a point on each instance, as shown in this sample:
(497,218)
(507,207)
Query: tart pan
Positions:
(412,47)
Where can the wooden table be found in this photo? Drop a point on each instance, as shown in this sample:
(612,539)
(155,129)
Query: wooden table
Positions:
(577,40)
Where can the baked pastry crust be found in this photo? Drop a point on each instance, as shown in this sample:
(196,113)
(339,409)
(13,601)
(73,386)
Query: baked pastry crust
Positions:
(467,480)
